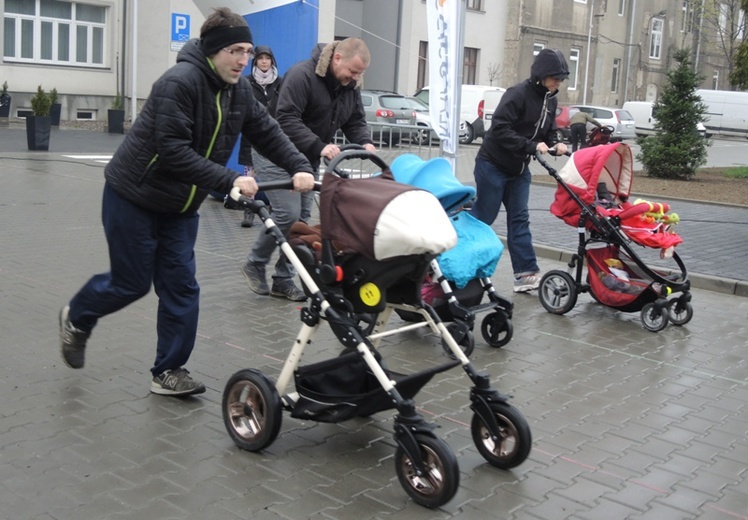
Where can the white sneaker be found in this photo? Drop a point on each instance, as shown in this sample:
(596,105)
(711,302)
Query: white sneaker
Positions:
(527,282)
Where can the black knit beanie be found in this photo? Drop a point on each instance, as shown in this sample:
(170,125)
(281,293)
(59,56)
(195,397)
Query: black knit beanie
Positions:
(219,38)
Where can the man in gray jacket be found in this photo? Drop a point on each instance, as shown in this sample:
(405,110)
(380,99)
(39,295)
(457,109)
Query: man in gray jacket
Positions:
(172,157)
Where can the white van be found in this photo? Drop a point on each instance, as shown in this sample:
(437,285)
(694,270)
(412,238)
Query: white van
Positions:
(727,111)
(490,104)
(472,107)
(644,120)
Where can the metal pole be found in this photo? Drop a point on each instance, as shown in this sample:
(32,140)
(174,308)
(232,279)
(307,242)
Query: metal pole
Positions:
(134,72)
(589,50)
(628,58)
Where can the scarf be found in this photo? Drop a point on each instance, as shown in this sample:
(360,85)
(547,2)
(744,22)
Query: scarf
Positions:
(264,78)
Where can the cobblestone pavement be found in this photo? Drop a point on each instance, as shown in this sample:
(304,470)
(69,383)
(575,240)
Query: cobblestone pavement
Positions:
(626,424)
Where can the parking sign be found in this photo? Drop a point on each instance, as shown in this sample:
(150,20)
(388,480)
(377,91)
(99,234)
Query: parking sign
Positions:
(180,30)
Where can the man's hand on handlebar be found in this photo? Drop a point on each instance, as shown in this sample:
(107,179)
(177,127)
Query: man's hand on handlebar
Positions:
(558,149)
(330,152)
(247,185)
(303,181)
(370,148)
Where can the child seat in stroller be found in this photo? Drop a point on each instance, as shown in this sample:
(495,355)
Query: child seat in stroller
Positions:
(336,275)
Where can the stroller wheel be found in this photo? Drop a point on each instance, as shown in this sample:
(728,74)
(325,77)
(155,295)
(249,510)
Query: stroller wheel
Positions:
(513,443)
(439,483)
(654,318)
(252,410)
(465,340)
(557,292)
(679,313)
(497,329)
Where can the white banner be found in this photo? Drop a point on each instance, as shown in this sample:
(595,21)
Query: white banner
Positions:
(443,18)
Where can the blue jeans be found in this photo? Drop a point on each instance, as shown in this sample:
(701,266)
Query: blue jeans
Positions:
(494,188)
(146,247)
(286,210)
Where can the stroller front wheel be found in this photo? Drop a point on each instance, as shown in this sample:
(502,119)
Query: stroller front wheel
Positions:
(557,292)
(464,338)
(679,313)
(497,329)
(438,484)
(252,410)
(654,317)
(511,446)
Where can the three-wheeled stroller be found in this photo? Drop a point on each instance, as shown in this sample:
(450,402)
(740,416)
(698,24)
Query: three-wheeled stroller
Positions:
(377,240)
(461,276)
(592,195)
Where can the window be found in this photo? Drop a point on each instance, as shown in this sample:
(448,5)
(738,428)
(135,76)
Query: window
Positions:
(537,47)
(686,23)
(715,80)
(655,43)
(55,32)
(580,1)
(615,75)
(573,68)
(469,66)
(621,7)
(475,5)
(423,63)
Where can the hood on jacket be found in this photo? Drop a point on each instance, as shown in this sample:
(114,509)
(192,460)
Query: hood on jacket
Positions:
(549,62)
(263,49)
(192,52)
(322,53)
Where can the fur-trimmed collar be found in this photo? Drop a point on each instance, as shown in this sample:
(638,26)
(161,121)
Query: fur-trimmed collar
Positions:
(324,57)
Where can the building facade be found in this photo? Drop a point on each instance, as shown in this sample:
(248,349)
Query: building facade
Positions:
(618,50)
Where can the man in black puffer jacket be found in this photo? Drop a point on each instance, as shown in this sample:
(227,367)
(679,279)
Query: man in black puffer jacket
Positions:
(523,124)
(318,97)
(172,157)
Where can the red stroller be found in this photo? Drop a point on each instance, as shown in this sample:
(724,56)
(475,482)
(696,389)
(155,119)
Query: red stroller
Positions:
(600,135)
(592,195)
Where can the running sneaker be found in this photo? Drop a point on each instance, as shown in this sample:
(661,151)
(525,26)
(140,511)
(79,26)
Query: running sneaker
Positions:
(72,341)
(176,382)
(527,282)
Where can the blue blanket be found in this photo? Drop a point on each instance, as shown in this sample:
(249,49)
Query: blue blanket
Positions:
(476,254)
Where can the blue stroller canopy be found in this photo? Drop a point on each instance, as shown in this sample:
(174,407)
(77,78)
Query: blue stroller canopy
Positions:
(435,176)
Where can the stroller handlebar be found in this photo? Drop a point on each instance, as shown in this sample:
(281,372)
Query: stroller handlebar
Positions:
(237,196)
(349,153)
(545,164)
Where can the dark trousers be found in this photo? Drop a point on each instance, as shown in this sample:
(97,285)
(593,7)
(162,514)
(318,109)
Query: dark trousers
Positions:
(578,136)
(146,247)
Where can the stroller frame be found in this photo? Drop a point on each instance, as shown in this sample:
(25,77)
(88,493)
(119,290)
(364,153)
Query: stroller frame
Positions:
(559,289)
(426,467)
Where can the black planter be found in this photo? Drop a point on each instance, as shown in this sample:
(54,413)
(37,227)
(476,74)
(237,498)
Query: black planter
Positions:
(38,129)
(5,105)
(54,112)
(116,120)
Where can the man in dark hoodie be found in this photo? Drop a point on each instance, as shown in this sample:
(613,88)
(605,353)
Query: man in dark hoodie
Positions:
(522,125)
(172,157)
(318,97)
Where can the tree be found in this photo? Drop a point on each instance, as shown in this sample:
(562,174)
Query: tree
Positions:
(722,30)
(676,150)
(739,74)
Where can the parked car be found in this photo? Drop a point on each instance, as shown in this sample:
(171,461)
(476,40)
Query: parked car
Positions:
(643,114)
(423,119)
(472,105)
(622,122)
(563,116)
(385,111)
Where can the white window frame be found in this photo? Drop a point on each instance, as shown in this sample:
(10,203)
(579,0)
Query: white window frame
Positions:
(621,7)
(21,24)
(574,55)
(656,30)
(715,80)
(537,47)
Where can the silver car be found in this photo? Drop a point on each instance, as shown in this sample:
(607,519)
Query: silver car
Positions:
(385,111)
(619,119)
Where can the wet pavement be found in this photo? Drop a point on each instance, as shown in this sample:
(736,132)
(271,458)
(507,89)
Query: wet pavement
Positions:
(626,423)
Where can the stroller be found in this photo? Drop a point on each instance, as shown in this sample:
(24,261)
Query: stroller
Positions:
(600,135)
(375,245)
(592,195)
(460,277)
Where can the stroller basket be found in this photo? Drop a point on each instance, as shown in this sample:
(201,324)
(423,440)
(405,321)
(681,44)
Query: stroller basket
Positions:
(341,388)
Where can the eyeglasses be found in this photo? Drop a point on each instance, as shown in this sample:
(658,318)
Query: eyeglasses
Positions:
(240,52)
